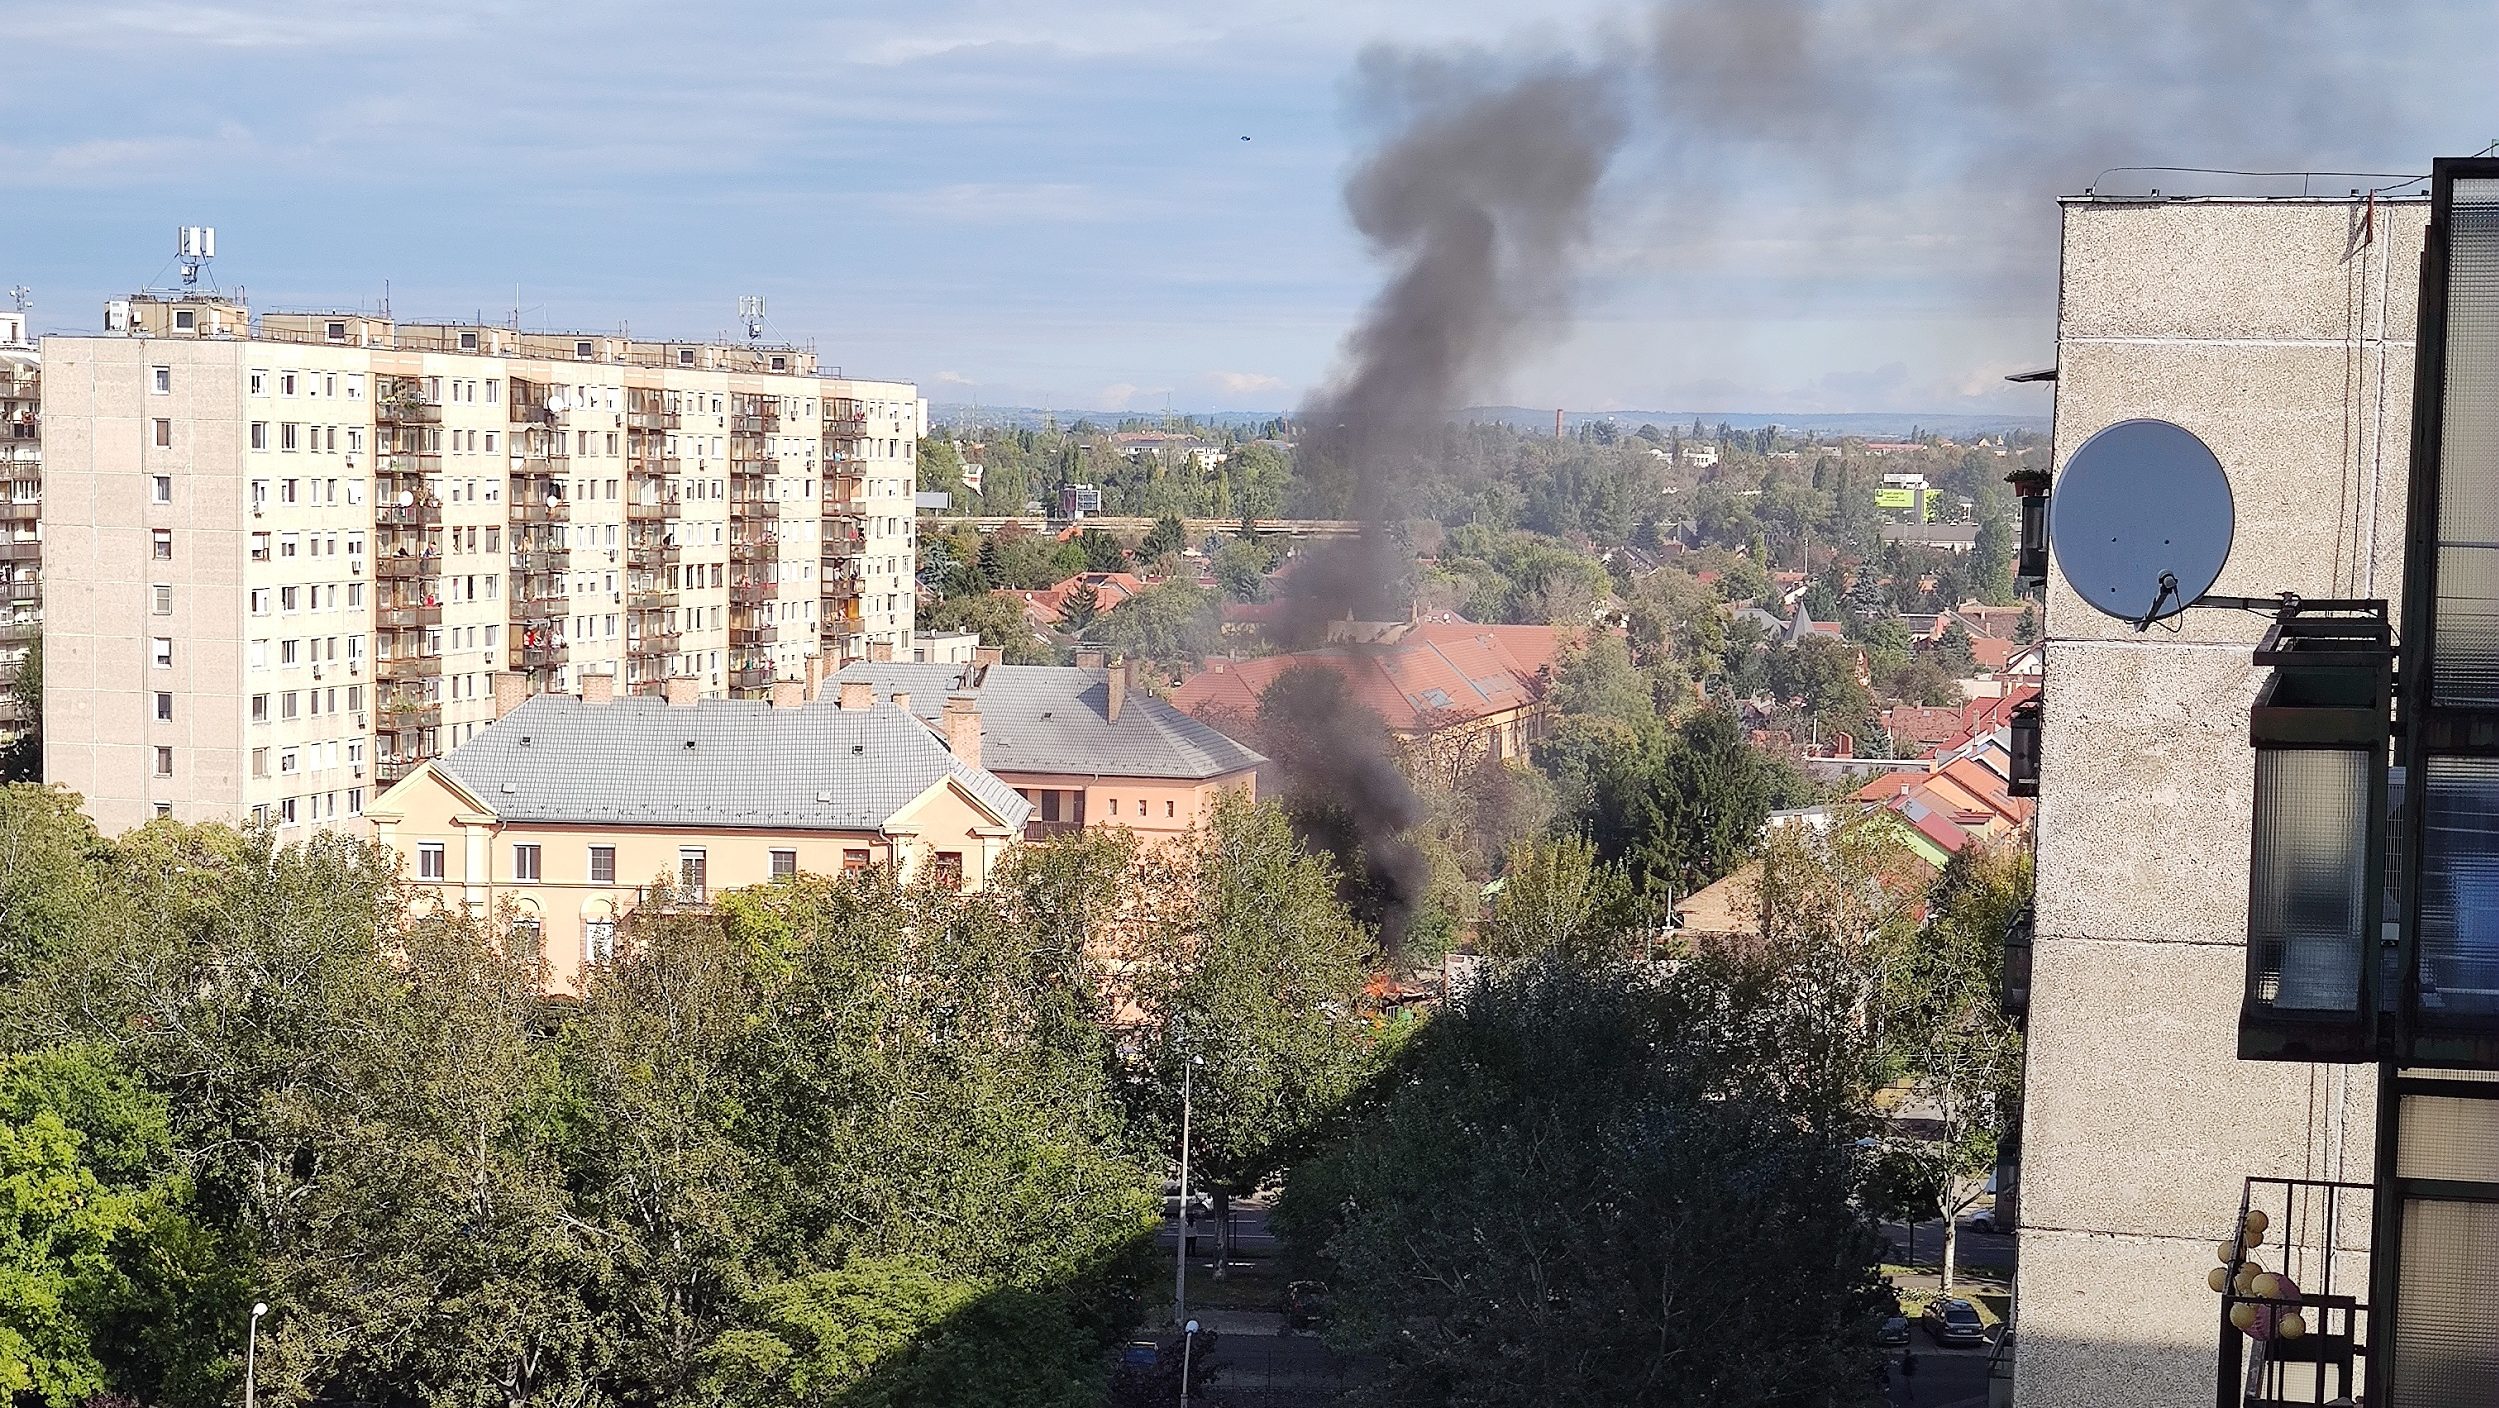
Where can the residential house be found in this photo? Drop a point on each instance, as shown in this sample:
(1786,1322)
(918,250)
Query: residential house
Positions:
(564,811)
(1431,680)
(1085,745)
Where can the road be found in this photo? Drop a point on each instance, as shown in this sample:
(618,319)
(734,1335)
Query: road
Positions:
(1979,1251)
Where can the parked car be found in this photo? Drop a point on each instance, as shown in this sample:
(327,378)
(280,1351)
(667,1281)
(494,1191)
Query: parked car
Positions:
(1953,1321)
(1983,1220)
(1893,1331)
(1199,1203)
(1305,1305)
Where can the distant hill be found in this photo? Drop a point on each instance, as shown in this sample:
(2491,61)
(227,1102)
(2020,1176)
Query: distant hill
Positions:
(1871,424)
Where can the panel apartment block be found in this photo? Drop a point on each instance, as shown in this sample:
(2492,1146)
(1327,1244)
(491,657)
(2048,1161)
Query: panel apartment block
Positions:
(2279,331)
(294,550)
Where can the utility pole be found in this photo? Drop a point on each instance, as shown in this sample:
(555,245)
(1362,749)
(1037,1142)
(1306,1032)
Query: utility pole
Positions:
(1180,1277)
(251,1351)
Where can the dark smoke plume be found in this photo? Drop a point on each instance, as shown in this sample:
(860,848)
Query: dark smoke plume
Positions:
(1481,200)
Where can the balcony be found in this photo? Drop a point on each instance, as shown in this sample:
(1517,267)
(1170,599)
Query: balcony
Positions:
(533,560)
(1044,830)
(407,617)
(422,515)
(21,510)
(389,462)
(664,511)
(407,566)
(655,643)
(560,511)
(649,599)
(408,718)
(653,420)
(397,668)
(750,636)
(387,771)
(407,408)
(753,593)
(2292,1338)
(653,554)
(542,657)
(751,677)
(19,593)
(26,550)
(763,550)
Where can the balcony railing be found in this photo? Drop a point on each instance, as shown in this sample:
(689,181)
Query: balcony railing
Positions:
(407,410)
(387,771)
(407,567)
(25,550)
(751,677)
(2293,1337)
(425,515)
(20,592)
(653,554)
(664,511)
(753,593)
(408,718)
(542,657)
(407,667)
(649,599)
(400,618)
(530,560)
(21,510)
(1044,830)
(560,511)
(758,551)
(754,635)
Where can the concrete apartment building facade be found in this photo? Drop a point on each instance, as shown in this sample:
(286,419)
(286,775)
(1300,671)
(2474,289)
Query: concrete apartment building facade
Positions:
(21,501)
(2281,333)
(294,550)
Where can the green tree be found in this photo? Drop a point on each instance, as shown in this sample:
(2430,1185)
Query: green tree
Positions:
(1102,551)
(999,620)
(1165,539)
(1582,1186)
(1686,806)
(1946,1022)
(1167,621)
(21,757)
(1596,680)
(1082,607)
(1249,976)
(1557,897)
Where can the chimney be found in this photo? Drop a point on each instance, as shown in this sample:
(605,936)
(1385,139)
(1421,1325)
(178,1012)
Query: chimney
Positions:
(815,674)
(598,689)
(788,694)
(1123,678)
(857,696)
(988,655)
(1089,659)
(511,691)
(902,700)
(963,728)
(680,691)
(881,652)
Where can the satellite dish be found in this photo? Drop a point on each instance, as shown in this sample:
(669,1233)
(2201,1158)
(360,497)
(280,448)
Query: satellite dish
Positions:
(406,498)
(2141,520)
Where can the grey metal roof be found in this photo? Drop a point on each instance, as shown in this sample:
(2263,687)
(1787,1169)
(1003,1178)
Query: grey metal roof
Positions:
(636,761)
(1051,718)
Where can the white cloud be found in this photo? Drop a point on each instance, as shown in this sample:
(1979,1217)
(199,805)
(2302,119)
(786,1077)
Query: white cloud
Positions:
(1246,383)
(1117,396)
(954,379)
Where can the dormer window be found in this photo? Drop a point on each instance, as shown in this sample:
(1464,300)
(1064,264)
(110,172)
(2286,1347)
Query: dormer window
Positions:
(582,350)
(186,320)
(336,330)
(468,342)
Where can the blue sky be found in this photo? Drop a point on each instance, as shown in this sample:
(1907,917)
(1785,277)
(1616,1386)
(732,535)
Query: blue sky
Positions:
(1026,203)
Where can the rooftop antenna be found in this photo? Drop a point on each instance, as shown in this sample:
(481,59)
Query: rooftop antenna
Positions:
(751,313)
(21,297)
(194,247)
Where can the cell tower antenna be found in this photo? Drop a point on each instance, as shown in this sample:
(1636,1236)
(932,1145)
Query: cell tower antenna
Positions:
(751,313)
(21,297)
(194,247)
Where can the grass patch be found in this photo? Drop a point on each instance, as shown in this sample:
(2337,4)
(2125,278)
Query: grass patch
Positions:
(1991,1302)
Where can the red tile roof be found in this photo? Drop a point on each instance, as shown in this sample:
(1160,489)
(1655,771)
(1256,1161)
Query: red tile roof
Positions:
(1430,675)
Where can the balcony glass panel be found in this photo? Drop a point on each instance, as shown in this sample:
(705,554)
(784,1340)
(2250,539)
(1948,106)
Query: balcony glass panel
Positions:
(2310,866)
(2459,899)
(2465,669)
(2446,1350)
(2448,1137)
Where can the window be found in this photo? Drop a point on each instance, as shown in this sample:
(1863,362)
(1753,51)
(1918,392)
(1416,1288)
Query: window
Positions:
(260,435)
(286,383)
(335,331)
(289,761)
(186,320)
(429,860)
(164,762)
(525,861)
(260,708)
(260,547)
(1114,806)
(161,544)
(582,350)
(161,650)
(289,435)
(854,861)
(602,865)
(164,707)
(784,864)
(162,431)
(1171,809)
(260,383)
(286,812)
(260,762)
(690,872)
(162,380)
(598,941)
(949,870)
(164,602)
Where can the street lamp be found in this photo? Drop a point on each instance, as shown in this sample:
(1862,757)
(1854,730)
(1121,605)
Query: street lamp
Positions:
(1188,1343)
(1180,1234)
(251,1349)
